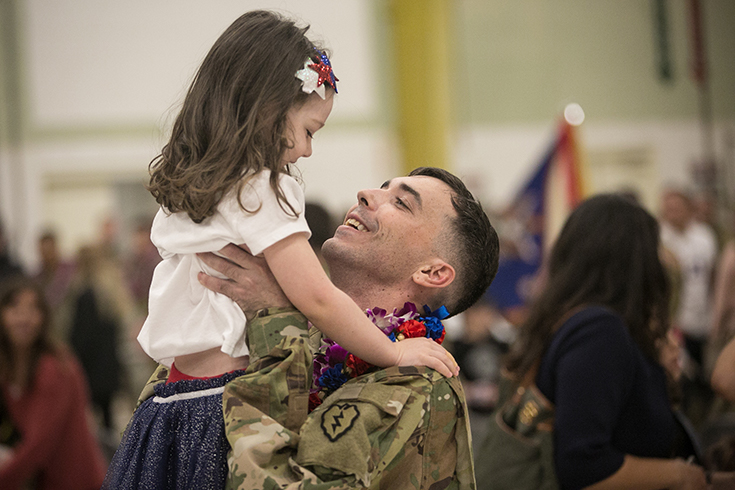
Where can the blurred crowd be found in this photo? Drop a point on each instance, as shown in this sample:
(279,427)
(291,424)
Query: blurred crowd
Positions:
(96,302)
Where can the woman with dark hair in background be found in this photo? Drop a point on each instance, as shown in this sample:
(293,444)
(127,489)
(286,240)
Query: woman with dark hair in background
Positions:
(594,334)
(45,393)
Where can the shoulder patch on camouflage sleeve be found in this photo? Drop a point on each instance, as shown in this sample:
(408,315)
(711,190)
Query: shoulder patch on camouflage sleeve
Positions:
(339,420)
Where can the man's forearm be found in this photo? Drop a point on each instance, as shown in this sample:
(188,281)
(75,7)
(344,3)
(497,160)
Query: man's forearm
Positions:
(278,379)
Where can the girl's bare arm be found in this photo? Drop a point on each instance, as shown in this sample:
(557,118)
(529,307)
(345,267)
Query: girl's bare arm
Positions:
(303,280)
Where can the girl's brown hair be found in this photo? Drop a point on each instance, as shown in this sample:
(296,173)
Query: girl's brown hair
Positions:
(10,289)
(233,120)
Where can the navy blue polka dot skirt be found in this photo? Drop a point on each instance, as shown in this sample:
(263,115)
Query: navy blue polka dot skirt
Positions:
(175,440)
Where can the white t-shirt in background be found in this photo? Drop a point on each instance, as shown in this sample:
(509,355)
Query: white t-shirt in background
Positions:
(696,251)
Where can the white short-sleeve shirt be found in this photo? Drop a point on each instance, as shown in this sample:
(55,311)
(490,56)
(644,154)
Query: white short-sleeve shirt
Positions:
(184,317)
(695,249)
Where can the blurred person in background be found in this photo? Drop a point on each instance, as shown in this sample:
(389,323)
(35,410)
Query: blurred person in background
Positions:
(8,266)
(705,211)
(723,324)
(54,275)
(723,374)
(322,227)
(594,338)
(720,430)
(484,339)
(694,245)
(100,305)
(723,314)
(138,268)
(45,392)
(140,264)
(108,242)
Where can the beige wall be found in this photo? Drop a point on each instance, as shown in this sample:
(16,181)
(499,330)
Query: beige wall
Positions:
(519,63)
(522,61)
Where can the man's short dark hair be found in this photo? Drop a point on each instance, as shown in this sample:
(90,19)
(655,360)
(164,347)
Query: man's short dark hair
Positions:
(473,239)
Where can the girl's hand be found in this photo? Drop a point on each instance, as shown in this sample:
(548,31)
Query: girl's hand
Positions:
(426,352)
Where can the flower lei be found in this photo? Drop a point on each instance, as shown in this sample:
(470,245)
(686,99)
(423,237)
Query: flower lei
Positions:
(334,366)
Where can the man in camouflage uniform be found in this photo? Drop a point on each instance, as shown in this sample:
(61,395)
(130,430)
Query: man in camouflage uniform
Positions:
(422,238)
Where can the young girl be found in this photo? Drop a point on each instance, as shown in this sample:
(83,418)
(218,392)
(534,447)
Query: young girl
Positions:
(260,95)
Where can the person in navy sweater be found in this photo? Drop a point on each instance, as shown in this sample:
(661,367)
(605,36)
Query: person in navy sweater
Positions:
(595,333)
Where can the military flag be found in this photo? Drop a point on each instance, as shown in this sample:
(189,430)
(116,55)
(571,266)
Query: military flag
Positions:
(533,219)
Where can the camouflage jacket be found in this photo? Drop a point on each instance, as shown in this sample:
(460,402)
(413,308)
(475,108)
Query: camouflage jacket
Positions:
(397,428)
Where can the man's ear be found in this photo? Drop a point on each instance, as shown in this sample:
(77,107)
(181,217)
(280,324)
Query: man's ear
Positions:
(435,274)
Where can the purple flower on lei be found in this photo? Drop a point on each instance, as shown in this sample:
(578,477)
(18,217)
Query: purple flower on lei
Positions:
(335,353)
(328,357)
(388,322)
(409,311)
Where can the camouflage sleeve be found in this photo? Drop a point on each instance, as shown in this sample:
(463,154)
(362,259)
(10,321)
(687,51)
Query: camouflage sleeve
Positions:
(278,379)
(265,408)
(160,375)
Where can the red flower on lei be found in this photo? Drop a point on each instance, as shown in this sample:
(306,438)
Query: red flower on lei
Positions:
(314,400)
(411,329)
(357,366)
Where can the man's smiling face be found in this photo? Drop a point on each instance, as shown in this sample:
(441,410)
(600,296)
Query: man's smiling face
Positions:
(391,230)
